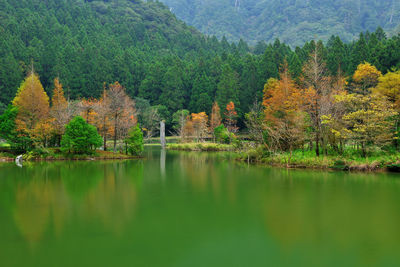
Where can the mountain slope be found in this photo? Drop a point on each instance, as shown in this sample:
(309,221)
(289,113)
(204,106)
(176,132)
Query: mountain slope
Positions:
(292,21)
(87,43)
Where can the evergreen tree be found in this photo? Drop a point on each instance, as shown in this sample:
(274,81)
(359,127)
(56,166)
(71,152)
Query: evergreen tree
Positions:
(80,137)
(227,87)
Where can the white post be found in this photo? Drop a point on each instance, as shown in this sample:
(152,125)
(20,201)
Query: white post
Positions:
(162,134)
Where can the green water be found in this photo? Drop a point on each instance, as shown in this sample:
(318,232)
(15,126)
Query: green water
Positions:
(194,209)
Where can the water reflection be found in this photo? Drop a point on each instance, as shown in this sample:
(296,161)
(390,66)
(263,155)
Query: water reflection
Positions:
(172,208)
(50,195)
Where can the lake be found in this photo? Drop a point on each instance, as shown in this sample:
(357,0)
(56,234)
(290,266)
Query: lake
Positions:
(195,209)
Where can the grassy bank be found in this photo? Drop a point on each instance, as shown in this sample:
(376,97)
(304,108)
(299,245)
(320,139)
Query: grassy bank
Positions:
(308,159)
(5,155)
(200,147)
(54,154)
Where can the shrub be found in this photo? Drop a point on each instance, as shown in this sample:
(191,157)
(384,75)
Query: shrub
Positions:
(80,137)
(222,135)
(8,130)
(134,141)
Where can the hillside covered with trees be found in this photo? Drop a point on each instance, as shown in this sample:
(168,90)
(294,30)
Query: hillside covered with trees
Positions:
(293,21)
(164,65)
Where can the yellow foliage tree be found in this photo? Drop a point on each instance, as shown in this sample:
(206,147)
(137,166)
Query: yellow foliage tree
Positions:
(33,106)
(188,129)
(368,119)
(366,76)
(389,86)
(199,122)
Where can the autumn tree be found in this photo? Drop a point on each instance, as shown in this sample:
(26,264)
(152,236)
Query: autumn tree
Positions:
(103,117)
(389,86)
(283,115)
(199,121)
(366,77)
(332,118)
(128,120)
(87,109)
(33,106)
(215,119)
(122,111)
(188,129)
(317,85)
(60,110)
(231,118)
(368,119)
(43,132)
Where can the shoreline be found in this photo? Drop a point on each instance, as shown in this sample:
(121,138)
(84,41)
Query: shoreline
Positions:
(333,163)
(351,163)
(101,155)
(318,167)
(390,163)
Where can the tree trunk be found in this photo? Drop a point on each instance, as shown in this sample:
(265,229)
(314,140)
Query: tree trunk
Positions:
(104,136)
(317,144)
(115,133)
(364,152)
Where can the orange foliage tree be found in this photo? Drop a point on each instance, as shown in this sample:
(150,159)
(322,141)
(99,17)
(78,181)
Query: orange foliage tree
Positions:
(87,108)
(199,121)
(230,118)
(284,118)
(215,119)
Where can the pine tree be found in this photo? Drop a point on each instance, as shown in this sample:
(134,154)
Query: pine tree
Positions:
(227,87)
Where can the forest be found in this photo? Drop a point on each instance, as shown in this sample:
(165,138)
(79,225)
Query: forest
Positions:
(293,21)
(167,69)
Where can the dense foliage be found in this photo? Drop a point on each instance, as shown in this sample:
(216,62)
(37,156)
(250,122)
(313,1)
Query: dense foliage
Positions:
(327,114)
(134,141)
(80,137)
(8,128)
(293,21)
(164,65)
(221,134)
